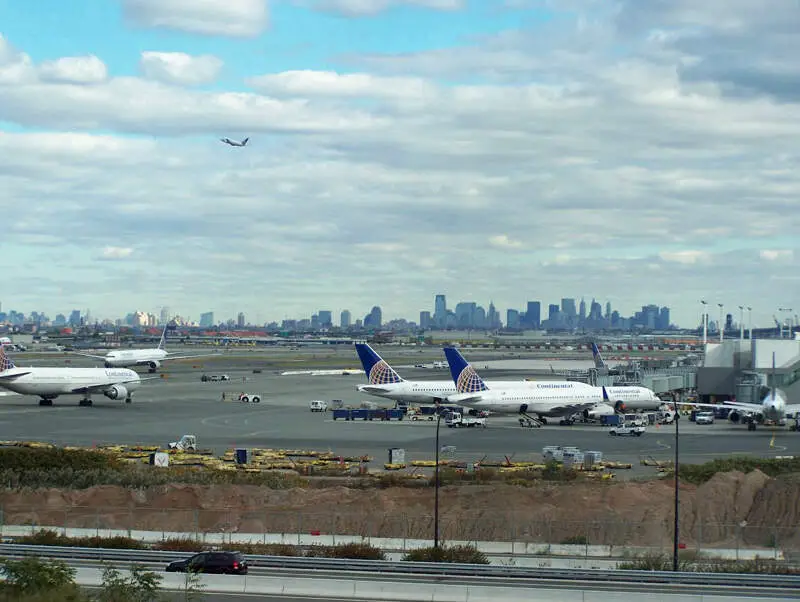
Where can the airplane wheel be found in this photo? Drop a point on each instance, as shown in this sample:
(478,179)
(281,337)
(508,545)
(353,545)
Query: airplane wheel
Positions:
(256,400)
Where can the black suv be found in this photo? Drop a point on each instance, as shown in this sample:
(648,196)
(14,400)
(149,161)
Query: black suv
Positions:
(218,563)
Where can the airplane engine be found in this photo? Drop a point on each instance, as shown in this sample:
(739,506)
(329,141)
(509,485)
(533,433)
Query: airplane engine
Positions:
(619,407)
(116,392)
(734,417)
(153,366)
(523,408)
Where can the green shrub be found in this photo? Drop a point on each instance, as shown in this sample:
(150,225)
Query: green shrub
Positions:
(179,545)
(47,537)
(575,540)
(357,551)
(689,561)
(34,579)
(456,554)
(55,458)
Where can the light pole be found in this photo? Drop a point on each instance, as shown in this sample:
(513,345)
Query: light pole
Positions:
(750,322)
(741,322)
(704,317)
(436,483)
(721,325)
(676,526)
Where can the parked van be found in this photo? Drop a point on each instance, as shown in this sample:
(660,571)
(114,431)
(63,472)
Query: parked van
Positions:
(318,405)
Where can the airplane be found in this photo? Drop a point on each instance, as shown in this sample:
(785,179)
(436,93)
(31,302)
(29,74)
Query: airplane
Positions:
(773,407)
(49,383)
(385,382)
(600,365)
(233,142)
(152,358)
(562,403)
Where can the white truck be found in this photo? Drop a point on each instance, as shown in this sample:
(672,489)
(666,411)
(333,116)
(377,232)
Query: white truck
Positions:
(458,420)
(626,429)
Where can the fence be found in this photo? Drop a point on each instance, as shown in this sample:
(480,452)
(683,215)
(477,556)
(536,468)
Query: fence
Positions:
(516,527)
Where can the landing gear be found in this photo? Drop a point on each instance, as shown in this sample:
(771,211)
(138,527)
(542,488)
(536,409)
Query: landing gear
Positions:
(85,402)
(751,426)
(46,401)
(128,399)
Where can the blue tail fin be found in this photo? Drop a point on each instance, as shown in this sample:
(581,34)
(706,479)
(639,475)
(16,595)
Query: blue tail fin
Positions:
(377,370)
(598,359)
(5,361)
(464,375)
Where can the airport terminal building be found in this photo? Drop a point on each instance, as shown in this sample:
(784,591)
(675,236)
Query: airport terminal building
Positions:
(743,370)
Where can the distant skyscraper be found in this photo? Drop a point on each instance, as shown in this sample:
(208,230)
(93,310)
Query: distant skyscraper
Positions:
(424,319)
(552,312)
(164,319)
(608,310)
(440,311)
(582,311)
(374,318)
(207,319)
(325,318)
(533,315)
(240,322)
(344,319)
(512,319)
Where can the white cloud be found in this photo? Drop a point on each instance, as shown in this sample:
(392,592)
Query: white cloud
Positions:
(368,8)
(688,256)
(584,150)
(180,68)
(776,255)
(504,242)
(330,84)
(74,70)
(115,253)
(234,18)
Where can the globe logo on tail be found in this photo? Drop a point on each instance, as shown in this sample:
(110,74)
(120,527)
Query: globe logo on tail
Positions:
(469,381)
(5,361)
(382,374)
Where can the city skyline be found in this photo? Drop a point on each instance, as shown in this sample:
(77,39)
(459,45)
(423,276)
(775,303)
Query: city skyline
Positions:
(499,151)
(582,314)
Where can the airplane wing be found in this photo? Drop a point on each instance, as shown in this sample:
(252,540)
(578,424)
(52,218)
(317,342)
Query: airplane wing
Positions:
(188,357)
(464,398)
(97,357)
(730,405)
(371,389)
(12,376)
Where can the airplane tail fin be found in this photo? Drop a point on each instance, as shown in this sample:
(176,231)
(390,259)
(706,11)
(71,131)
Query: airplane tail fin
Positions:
(377,370)
(244,142)
(774,380)
(5,361)
(598,359)
(464,375)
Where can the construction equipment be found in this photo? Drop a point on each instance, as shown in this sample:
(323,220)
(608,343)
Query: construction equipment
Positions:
(186,443)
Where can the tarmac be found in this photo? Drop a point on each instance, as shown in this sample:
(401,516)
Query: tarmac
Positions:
(179,403)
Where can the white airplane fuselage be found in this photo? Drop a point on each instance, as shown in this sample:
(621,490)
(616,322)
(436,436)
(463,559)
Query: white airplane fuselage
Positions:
(559,402)
(433,391)
(53,382)
(135,357)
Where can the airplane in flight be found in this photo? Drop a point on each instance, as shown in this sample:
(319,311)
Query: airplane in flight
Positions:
(152,358)
(385,382)
(774,407)
(49,383)
(539,404)
(233,142)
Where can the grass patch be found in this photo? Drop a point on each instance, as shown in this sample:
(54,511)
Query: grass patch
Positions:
(698,474)
(690,562)
(38,468)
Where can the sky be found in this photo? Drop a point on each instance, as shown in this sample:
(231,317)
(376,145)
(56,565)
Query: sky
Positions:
(504,150)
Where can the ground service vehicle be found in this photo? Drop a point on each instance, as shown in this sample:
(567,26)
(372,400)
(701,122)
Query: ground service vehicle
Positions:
(458,420)
(626,429)
(216,563)
(214,378)
(704,418)
(318,405)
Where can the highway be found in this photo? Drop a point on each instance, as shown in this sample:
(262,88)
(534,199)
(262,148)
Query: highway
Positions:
(164,409)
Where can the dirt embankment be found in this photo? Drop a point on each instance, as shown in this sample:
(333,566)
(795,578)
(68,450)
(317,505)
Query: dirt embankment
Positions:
(750,509)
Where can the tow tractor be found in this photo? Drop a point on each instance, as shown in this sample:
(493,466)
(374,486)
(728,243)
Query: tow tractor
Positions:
(243,397)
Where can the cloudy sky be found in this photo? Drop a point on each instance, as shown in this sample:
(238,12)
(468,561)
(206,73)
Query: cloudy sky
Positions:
(510,150)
